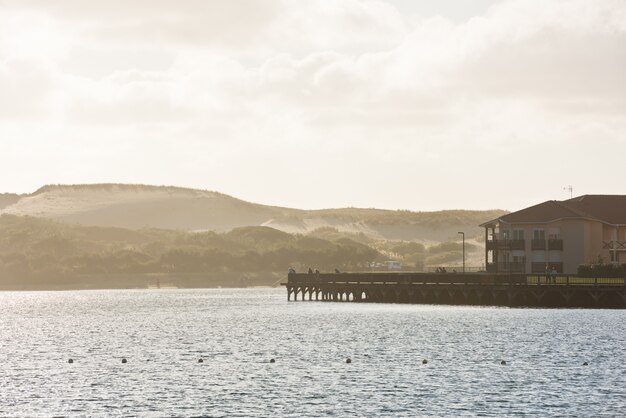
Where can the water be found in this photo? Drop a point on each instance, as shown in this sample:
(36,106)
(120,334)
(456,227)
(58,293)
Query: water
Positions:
(163,333)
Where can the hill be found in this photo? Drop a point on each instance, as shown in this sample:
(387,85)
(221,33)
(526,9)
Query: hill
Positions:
(8,199)
(140,206)
(39,253)
(136,206)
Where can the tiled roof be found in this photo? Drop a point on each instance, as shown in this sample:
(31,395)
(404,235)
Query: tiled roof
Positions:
(606,208)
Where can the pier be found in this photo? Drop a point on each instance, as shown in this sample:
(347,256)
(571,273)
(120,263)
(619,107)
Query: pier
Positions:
(514,290)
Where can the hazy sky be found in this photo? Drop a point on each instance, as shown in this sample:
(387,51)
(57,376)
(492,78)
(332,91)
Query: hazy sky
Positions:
(406,104)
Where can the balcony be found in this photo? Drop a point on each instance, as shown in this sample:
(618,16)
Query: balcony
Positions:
(506,244)
(538,244)
(555,244)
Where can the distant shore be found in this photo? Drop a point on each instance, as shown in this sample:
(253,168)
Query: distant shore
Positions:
(142,281)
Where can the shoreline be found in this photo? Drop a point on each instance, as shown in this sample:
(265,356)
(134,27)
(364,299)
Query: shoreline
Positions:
(75,289)
(154,281)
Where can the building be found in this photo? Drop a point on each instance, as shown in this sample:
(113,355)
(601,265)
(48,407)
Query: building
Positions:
(558,234)
(393,265)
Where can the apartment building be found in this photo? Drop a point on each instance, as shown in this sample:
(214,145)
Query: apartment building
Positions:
(558,235)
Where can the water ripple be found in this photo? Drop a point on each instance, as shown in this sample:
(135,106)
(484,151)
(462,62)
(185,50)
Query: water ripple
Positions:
(163,333)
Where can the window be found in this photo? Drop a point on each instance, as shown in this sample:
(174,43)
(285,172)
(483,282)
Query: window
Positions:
(554,233)
(539,234)
(518,234)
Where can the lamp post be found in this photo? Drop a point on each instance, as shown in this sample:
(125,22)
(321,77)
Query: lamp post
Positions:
(463,234)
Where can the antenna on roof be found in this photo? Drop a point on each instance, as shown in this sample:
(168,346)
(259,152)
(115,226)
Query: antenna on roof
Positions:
(570,189)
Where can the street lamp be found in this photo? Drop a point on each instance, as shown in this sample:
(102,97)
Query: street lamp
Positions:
(463,234)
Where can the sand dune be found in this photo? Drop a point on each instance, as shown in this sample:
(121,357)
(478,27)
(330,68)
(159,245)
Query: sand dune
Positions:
(139,206)
(8,199)
(136,207)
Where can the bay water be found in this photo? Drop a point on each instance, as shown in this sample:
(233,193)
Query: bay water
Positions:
(163,333)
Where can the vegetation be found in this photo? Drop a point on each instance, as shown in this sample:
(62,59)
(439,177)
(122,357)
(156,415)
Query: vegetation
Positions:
(405,217)
(333,234)
(417,255)
(7,199)
(39,247)
(602,270)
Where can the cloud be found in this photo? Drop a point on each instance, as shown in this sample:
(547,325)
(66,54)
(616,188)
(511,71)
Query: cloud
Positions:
(131,97)
(323,80)
(27,91)
(245,25)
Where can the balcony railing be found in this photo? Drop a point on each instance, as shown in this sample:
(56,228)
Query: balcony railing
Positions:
(538,244)
(506,244)
(540,267)
(506,267)
(555,244)
(614,245)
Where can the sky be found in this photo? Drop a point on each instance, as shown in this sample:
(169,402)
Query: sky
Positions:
(405,104)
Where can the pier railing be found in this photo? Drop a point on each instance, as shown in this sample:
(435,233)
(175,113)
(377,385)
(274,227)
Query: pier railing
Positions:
(452,279)
(461,289)
(569,280)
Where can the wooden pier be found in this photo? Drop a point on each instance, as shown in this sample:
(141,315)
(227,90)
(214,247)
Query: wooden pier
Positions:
(560,291)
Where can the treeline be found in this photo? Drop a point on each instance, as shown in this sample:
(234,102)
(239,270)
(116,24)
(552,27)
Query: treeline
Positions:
(38,247)
(410,253)
(418,255)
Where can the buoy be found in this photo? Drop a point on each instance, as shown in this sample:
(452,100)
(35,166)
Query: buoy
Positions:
(424,361)
(70,361)
(349,360)
(272,361)
(124,360)
(503,363)
(585,364)
(200,360)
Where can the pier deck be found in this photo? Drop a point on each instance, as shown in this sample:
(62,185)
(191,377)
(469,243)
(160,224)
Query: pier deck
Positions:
(459,289)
